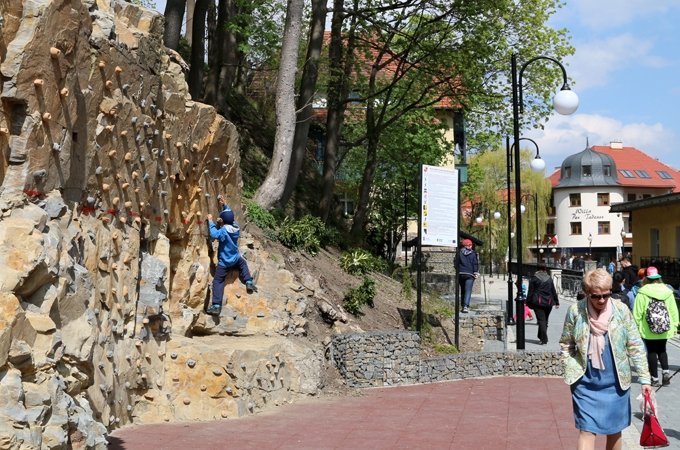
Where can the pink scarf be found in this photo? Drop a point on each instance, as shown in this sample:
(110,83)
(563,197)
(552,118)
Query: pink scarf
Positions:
(599,324)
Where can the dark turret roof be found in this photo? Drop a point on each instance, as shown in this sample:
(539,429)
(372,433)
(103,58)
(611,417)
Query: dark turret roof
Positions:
(588,168)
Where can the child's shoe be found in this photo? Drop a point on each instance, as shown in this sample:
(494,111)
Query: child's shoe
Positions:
(214,310)
(250,287)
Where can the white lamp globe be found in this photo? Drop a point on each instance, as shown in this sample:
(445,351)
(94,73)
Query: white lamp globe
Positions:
(537,164)
(522,208)
(554,250)
(496,215)
(512,234)
(479,219)
(540,250)
(565,102)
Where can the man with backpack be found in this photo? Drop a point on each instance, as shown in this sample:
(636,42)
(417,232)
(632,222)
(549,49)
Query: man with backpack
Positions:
(656,315)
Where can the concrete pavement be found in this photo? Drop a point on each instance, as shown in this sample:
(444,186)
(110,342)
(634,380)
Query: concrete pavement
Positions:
(524,413)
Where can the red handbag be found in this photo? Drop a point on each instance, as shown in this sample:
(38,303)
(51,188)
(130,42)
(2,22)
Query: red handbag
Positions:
(652,434)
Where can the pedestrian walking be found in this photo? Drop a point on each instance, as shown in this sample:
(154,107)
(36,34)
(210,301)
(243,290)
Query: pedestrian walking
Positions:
(656,315)
(599,342)
(541,298)
(629,271)
(467,266)
(226,231)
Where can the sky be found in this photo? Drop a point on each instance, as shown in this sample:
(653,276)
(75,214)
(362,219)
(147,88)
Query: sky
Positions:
(625,72)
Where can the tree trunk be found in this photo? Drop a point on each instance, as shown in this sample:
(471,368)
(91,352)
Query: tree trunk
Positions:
(191,6)
(361,213)
(337,93)
(307,89)
(174,16)
(200,11)
(228,59)
(271,190)
(215,42)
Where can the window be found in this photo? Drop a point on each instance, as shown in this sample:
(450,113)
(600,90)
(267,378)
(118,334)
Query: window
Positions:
(574,199)
(646,195)
(607,170)
(627,173)
(587,171)
(654,241)
(603,228)
(567,172)
(663,174)
(642,174)
(550,229)
(603,199)
(575,227)
(632,197)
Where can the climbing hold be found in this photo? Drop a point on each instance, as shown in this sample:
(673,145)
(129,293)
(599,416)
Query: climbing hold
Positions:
(217,372)
(186,162)
(109,84)
(102,64)
(105,187)
(46,117)
(134,120)
(38,83)
(173,355)
(128,204)
(123,133)
(112,153)
(128,156)
(204,387)
(54,52)
(195,147)
(63,92)
(115,202)
(56,147)
(187,401)
(98,170)
(125,185)
(178,145)
(145,321)
(118,69)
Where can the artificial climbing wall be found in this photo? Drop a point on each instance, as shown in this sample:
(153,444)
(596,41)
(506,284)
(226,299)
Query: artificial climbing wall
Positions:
(109,169)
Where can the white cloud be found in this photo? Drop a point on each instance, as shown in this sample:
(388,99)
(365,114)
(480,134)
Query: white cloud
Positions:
(609,14)
(566,135)
(595,62)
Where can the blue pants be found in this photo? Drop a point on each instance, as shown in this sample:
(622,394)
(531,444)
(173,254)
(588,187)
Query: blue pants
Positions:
(221,275)
(466,283)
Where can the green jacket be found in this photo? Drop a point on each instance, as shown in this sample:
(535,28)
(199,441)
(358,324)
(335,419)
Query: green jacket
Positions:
(624,340)
(661,292)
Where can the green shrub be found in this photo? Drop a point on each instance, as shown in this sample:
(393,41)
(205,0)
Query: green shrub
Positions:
(308,233)
(260,216)
(445,348)
(359,296)
(356,262)
(359,261)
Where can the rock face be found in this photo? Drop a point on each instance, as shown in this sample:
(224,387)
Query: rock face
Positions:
(108,174)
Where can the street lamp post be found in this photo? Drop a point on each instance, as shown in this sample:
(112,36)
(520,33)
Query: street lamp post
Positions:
(565,102)
(590,246)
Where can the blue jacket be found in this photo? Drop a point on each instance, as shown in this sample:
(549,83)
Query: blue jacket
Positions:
(227,237)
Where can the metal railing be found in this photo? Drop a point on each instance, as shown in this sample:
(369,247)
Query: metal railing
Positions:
(669,267)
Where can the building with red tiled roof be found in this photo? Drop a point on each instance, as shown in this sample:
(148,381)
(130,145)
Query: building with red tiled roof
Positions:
(588,183)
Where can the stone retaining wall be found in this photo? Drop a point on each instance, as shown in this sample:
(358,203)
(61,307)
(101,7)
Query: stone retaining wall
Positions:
(393,358)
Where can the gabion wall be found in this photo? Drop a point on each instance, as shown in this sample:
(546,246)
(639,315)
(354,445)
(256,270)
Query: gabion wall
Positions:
(393,358)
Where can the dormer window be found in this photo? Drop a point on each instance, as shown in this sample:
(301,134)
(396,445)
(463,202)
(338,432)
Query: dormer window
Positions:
(587,171)
(607,170)
(567,172)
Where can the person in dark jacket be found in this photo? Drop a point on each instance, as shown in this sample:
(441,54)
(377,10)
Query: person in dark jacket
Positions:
(541,298)
(630,272)
(467,265)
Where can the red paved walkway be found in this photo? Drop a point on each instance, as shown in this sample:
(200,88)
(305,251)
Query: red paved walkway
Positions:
(493,413)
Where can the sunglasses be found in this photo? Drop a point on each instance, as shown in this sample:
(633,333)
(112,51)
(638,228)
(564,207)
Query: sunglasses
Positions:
(600,296)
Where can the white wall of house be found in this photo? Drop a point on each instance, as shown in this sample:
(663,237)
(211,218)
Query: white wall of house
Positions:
(592,217)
